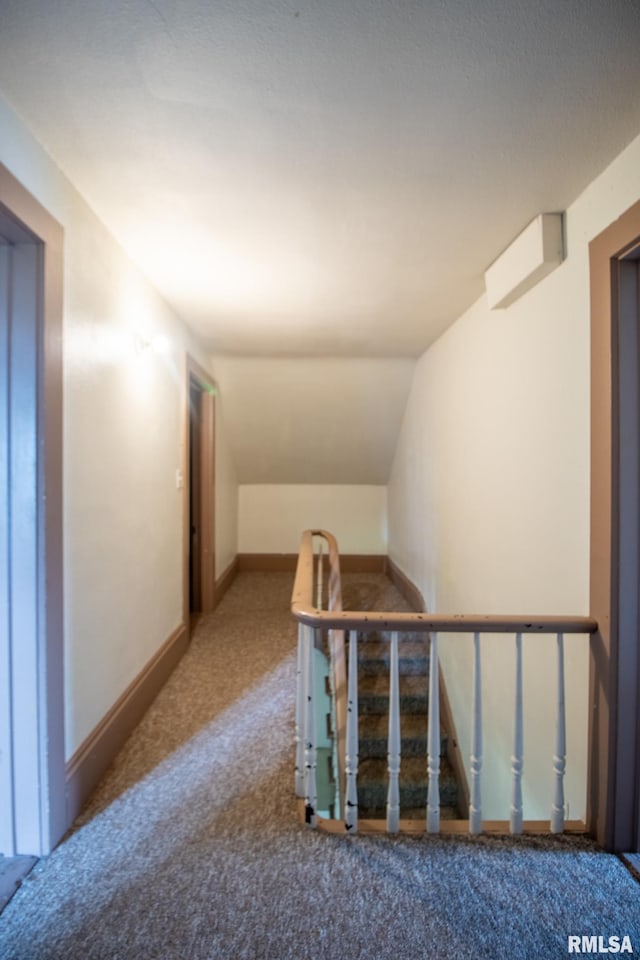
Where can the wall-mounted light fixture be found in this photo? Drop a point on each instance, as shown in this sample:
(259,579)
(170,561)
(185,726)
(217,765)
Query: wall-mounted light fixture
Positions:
(141,344)
(537,251)
(158,344)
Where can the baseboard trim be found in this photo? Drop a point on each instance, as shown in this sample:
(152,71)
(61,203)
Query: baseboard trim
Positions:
(363,563)
(86,767)
(405,586)
(287,562)
(267,562)
(224,581)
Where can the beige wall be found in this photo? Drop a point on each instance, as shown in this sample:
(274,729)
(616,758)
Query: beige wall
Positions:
(313,420)
(226,509)
(489,495)
(272,517)
(123,436)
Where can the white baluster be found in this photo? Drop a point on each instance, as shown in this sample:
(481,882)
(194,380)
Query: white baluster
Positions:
(310,752)
(351,796)
(333,724)
(475,801)
(394,748)
(300,712)
(433,758)
(339,686)
(517,760)
(560,757)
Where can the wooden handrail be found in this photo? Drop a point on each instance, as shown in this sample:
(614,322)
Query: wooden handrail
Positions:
(304,610)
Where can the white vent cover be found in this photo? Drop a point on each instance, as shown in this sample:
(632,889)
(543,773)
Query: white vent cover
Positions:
(537,251)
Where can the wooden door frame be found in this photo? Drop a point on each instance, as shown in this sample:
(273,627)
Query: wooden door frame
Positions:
(614,684)
(194,373)
(41,721)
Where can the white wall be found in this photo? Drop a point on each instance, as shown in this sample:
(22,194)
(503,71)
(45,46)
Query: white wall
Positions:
(489,494)
(272,517)
(313,420)
(123,436)
(226,496)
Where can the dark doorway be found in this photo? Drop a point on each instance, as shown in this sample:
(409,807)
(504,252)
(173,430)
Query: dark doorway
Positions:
(195,496)
(200,492)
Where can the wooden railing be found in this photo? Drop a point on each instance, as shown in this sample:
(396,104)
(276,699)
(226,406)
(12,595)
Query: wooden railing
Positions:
(307,606)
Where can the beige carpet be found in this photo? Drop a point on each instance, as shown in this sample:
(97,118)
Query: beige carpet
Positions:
(191,849)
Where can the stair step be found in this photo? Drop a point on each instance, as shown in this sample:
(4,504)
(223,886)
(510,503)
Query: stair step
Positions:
(373,781)
(373,731)
(407,666)
(373,694)
(374,650)
(374,657)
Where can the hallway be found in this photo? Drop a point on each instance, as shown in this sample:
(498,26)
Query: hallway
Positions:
(278,197)
(191,848)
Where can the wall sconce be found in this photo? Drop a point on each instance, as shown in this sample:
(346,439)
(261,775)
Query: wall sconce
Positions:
(159,344)
(141,344)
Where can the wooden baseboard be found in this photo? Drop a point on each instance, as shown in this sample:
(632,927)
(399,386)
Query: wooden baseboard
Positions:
(405,586)
(86,767)
(363,563)
(287,562)
(224,582)
(267,562)
(449,828)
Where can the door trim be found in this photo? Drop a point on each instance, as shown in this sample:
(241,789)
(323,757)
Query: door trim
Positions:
(48,793)
(613,674)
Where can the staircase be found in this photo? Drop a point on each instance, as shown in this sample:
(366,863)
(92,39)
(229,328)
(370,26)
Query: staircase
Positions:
(373,694)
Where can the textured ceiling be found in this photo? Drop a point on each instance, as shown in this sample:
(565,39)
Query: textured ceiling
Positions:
(330,177)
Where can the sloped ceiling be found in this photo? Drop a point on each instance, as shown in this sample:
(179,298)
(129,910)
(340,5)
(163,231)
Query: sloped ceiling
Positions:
(303,177)
(313,420)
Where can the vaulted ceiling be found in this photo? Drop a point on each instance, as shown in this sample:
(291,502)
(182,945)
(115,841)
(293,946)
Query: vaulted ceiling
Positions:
(323,178)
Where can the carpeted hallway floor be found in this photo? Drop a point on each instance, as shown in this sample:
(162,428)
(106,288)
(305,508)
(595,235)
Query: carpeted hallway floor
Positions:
(191,849)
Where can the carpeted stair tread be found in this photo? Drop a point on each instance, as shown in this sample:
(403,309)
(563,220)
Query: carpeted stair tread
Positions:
(373,779)
(379,646)
(373,694)
(377,726)
(374,657)
(373,731)
(412,770)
